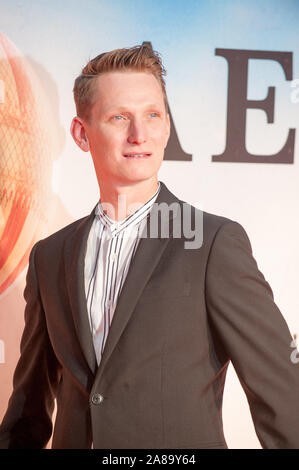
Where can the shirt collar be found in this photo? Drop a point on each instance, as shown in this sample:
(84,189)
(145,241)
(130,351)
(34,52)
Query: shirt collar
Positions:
(114,226)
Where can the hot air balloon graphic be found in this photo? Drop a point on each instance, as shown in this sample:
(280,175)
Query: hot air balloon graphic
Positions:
(27,146)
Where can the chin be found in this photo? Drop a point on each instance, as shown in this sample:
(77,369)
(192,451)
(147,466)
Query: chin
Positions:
(138,177)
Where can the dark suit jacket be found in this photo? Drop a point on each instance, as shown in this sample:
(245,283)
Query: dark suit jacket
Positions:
(182,315)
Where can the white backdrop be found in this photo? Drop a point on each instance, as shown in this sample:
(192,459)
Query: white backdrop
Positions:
(56,39)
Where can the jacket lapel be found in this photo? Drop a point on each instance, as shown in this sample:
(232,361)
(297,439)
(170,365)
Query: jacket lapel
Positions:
(74,256)
(147,256)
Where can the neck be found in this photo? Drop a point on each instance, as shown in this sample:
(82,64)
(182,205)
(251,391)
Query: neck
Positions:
(120,201)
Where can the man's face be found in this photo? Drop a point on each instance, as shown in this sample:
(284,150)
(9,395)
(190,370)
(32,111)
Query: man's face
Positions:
(128,128)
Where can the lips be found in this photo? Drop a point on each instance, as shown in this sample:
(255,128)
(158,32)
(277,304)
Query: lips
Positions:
(137,155)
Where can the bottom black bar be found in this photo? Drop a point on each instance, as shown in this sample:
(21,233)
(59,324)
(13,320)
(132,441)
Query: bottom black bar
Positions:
(152,458)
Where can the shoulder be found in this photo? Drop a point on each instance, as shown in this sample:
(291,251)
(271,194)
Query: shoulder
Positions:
(62,233)
(208,223)
(212,224)
(54,242)
(219,226)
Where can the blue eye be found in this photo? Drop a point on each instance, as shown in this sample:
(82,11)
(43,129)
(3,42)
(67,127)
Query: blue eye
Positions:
(153,114)
(117,118)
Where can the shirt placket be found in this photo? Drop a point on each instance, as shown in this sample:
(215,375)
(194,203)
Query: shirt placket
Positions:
(110,280)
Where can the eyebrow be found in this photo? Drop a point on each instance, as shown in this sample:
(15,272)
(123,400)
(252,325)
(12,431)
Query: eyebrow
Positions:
(126,109)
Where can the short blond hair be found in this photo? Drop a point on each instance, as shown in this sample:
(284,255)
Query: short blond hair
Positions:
(138,58)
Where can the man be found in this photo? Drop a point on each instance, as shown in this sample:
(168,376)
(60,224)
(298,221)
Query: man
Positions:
(133,334)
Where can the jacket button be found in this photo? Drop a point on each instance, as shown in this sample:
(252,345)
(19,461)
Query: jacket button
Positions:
(96,399)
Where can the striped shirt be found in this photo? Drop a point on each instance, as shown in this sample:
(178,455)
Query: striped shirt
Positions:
(111,246)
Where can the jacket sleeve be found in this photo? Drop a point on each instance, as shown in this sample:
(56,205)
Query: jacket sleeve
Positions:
(254,336)
(28,419)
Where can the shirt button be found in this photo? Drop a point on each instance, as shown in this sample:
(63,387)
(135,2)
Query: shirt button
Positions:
(96,399)
(113,257)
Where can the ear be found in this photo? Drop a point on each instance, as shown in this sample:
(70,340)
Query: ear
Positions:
(167,128)
(79,135)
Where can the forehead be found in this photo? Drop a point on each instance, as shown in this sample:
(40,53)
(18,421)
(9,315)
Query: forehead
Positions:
(127,88)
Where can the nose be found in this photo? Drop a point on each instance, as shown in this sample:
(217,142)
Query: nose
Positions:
(137,132)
